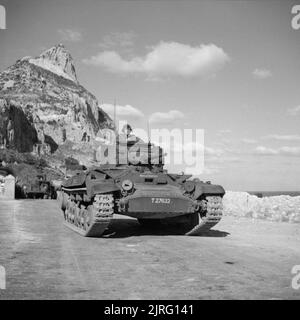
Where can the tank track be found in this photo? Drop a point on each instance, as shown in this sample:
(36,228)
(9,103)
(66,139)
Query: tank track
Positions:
(213,208)
(89,220)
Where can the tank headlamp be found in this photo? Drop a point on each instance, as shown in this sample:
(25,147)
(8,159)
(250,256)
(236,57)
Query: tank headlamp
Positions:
(127,185)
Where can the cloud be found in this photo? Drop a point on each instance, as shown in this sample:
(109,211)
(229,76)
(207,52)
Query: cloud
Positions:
(216,152)
(126,112)
(118,39)
(208,151)
(293,137)
(212,170)
(190,147)
(70,35)
(225,131)
(294,111)
(288,151)
(164,60)
(249,141)
(262,73)
(166,117)
(223,158)
(178,146)
(293,151)
(265,151)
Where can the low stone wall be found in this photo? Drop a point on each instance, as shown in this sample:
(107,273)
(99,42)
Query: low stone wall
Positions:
(7,187)
(277,208)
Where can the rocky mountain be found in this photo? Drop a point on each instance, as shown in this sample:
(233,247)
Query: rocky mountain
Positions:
(44,107)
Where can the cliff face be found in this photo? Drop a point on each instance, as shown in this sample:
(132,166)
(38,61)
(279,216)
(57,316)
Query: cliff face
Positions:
(57,60)
(43,106)
(12,118)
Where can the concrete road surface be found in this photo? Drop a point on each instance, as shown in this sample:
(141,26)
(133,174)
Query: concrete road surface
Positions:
(241,258)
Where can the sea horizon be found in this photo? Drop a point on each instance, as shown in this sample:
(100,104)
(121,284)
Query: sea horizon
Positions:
(274,193)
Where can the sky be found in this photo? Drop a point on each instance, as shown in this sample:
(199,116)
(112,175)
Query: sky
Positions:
(230,68)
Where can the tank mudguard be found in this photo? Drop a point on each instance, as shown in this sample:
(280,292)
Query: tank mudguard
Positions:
(75,181)
(101,187)
(209,189)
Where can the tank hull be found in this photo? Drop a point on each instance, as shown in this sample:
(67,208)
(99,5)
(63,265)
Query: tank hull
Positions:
(90,199)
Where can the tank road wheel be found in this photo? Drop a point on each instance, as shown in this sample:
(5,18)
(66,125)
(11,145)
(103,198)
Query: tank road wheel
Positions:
(70,211)
(63,205)
(76,215)
(88,218)
(212,209)
(64,201)
(81,216)
(67,210)
(72,216)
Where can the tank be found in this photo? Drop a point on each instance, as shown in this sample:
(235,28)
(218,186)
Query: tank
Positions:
(39,188)
(140,189)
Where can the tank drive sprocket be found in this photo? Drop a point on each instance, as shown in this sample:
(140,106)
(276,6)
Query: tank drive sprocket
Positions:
(210,215)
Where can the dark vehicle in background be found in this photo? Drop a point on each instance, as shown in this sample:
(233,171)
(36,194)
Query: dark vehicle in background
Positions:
(39,188)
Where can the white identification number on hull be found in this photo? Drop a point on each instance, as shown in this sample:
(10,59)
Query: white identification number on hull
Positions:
(161,200)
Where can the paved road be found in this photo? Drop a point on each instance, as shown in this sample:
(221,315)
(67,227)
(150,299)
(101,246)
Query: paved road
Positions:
(242,258)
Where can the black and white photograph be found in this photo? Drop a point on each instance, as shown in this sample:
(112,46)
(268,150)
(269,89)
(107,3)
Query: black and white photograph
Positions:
(149,151)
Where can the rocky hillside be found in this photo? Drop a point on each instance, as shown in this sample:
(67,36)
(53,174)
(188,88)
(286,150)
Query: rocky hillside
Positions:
(43,106)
